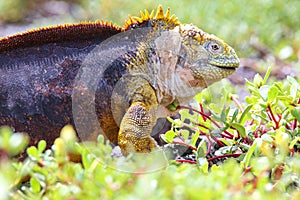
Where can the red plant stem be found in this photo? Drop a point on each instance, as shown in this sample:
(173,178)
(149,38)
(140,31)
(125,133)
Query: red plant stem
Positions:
(201,125)
(255,133)
(226,136)
(248,140)
(251,123)
(202,110)
(217,141)
(263,129)
(186,161)
(271,112)
(273,117)
(238,133)
(237,103)
(208,117)
(225,156)
(229,135)
(202,133)
(278,171)
(209,145)
(295,120)
(181,138)
(222,134)
(294,124)
(254,183)
(197,111)
(184,144)
(246,170)
(287,126)
(279,117)
(214,138)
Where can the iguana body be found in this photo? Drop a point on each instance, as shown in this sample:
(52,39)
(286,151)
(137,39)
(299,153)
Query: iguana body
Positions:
(165,62)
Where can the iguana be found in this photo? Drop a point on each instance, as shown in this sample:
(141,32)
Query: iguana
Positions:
(160,63)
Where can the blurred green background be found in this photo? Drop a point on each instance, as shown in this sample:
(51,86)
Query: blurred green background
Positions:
(254,28)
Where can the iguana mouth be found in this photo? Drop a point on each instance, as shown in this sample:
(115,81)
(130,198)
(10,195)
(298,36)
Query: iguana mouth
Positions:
(226,63)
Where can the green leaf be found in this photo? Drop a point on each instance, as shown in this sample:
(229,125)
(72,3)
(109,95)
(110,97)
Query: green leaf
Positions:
(185,134)
(294,86)
(185,114)
(5,135)
(268,72)
(198,97)
(100,139)
(293,142)
(176,122)
(42,146)
(240,128)
(224,114)
(171,107)
(35,185)
(225,141)
(195,138)
(32,151)
(204,130)
(225,150)
(246,161)
(251,99)
(203,163)
(170,136)
(296,113)
(86,159)
(202,149)
(175,104)
(248,108)
(264,91)
(272,94)
(215,108)
(257,80)
(292,80)
(249,83)
(17,143)
(236,112)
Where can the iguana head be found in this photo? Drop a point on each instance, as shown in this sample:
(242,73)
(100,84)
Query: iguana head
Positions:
(186,59)
(209,58)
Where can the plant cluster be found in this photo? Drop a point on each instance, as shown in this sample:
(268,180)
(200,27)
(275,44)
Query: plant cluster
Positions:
(243,150)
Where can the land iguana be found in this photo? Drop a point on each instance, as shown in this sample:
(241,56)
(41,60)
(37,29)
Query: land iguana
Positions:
(160,63)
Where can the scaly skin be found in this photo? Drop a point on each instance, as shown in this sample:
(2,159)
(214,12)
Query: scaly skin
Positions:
(169,62)
(188,61)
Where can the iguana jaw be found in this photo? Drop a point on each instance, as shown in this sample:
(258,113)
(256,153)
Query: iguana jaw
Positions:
(226,62)
(211,74)
(230,64)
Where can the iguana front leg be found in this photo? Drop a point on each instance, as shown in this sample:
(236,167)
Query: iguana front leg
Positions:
(137,123)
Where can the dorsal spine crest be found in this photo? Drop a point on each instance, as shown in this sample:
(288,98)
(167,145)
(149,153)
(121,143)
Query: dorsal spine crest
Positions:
(169,20)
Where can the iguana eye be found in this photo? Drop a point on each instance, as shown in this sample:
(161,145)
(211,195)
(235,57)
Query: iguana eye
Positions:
(213,47)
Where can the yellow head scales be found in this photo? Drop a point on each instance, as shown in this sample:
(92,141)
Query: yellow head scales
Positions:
(223,54)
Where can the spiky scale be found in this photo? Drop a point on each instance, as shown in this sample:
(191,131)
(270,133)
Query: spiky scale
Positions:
(159,13)
(151,14)
(167,16)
